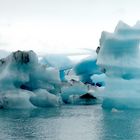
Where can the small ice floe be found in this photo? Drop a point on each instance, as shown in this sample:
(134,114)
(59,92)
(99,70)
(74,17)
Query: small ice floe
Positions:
(114,110)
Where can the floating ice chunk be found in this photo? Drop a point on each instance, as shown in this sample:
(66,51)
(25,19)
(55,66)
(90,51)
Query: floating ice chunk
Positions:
(16,99)
(43,98)
(75,88)
(114,110)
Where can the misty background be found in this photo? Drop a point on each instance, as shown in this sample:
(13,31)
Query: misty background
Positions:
(61,26)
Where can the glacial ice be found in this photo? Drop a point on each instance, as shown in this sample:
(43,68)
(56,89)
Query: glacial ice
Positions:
(24,82)
(74,88)
(99,78)
(86,68)
(58,61)
(119,57)
(43,98)
(16,99)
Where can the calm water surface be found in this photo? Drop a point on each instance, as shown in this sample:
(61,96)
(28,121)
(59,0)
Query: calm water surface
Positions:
(69,123)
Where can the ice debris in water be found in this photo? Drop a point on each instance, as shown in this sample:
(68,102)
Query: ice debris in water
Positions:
(119,57)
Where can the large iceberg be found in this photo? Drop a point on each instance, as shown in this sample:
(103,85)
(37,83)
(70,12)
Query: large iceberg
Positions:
(118,58)
(25,83)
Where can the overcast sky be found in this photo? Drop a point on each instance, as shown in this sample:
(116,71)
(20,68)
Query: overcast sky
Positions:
(53,25)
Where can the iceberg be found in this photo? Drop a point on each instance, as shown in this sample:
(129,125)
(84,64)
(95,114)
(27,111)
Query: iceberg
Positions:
(24,82)
(118,58)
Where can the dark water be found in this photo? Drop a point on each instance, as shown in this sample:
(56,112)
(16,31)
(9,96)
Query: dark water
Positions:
(69,123)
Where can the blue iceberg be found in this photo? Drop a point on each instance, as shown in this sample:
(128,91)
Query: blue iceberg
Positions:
(119,57)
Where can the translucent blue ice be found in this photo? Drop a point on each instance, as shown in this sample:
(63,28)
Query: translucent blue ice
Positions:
(99,78)
(58,61)
(119,57)
(86,68)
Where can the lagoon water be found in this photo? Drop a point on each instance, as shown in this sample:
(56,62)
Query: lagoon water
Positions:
(69,123)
